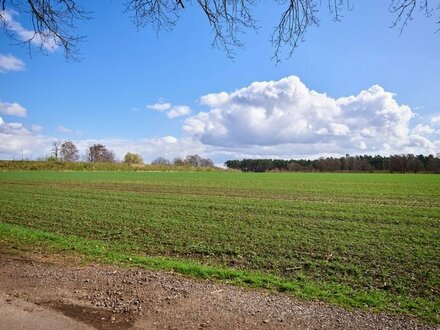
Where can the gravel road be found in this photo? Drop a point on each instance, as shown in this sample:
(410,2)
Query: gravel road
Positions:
(38,292)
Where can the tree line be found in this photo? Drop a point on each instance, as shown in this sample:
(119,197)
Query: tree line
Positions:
(190,160)
(360,163)
(67,151)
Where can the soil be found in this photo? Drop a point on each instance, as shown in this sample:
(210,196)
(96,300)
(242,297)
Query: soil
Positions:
(47,292)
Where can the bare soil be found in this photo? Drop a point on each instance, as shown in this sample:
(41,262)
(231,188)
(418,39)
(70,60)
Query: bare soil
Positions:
(47,292)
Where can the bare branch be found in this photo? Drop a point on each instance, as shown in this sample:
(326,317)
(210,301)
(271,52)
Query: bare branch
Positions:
(335,8)
(160,14)
(228,19)
(295,20)
(404,10)
(53,20)
(52,24)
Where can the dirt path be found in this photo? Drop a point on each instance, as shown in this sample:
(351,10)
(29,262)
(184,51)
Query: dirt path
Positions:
(37,294)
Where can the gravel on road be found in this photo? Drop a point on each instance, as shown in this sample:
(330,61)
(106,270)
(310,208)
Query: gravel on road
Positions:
(36,288)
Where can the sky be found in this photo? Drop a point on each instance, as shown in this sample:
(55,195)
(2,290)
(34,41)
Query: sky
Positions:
(356,86)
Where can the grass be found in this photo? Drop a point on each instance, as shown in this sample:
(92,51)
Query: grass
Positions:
(30,165)
(367,241)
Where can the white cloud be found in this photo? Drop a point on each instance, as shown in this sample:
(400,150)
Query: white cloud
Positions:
(66,130)
(178,111)
(10,63)
(339,129)
(63,129)
(422,129)
(161,106)
(168,147)
(36,128)
(275,119)
(285,118)
(172,111)
(170,139)
(265,113)
(13,129)
(417,142)
(12,109)
(435,120)
(214,100)
(16,141)
(47,41)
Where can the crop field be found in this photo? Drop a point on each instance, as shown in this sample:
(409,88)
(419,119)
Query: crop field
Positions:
(369,241)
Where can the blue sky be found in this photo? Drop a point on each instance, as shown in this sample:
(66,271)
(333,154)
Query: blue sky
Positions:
(355,86)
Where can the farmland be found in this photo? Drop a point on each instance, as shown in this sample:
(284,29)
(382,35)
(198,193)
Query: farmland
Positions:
(369,241)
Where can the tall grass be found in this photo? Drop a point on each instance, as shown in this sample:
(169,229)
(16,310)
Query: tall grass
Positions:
(13,165)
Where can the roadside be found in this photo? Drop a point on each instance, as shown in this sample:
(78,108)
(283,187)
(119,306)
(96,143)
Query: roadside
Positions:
(41,292)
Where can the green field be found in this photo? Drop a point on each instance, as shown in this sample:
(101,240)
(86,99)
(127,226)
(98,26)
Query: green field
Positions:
(370,241)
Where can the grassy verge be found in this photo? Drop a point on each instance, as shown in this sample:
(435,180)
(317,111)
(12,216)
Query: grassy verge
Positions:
(341,295)
(13,165)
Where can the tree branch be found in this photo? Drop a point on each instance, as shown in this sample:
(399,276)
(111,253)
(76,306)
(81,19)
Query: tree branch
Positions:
(404,10)
(53,20)
(52,24)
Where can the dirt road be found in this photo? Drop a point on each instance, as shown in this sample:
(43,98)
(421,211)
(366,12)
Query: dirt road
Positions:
(38,293)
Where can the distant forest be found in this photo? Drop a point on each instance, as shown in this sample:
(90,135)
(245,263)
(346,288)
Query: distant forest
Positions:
(366,163)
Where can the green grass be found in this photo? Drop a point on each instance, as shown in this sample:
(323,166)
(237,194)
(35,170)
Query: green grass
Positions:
(358,240)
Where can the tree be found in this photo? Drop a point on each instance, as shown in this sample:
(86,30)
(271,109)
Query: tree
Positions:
(160,161)
(414,164)
(433,163)
(98,153)
(197,161)
(132,158)
(53,21)
(56,145)
(69,152)
(51,158)
(178,161)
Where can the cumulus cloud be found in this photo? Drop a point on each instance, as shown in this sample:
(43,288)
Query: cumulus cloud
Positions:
(13,128)
(12,109)
(419,142)
(10,63)
(287,118)
(178,111)
(172,111)
(16,141)
(273,119)
(46,41)
(422,129)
